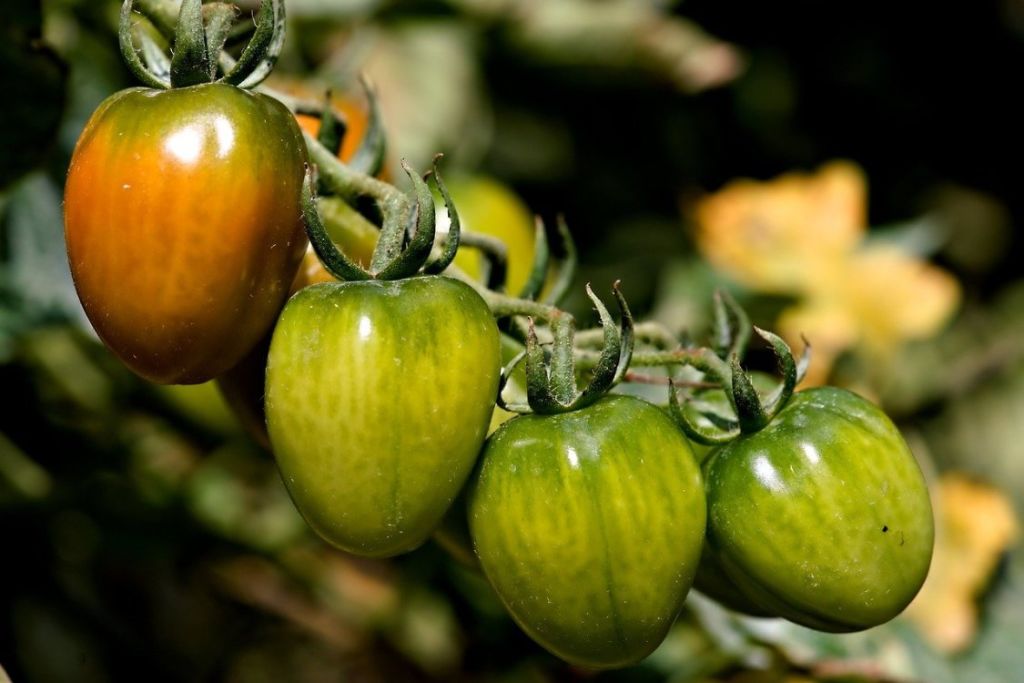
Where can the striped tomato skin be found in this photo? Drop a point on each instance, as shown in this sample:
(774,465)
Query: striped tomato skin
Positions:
(823,516)
(378,398)
(589,525)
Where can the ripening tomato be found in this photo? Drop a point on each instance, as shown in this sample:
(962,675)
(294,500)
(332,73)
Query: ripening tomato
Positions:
(356,119)
(488,207)
(183,225)
(378,396)
(589,525)
(823,516)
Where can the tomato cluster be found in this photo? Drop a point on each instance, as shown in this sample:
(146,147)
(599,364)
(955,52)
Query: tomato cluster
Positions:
(592,517)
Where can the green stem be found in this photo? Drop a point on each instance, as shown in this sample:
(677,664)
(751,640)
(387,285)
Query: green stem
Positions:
(351,185)
(503,306)
(650,333)
(563,373)
(702,359)
(163,14)
(495,255)
(190,64)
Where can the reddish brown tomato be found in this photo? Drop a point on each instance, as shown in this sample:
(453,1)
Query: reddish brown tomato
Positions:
(183,225)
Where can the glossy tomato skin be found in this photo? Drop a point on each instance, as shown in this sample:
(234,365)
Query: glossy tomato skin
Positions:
(589,526)
(378,397)
(823,516)
(183,225)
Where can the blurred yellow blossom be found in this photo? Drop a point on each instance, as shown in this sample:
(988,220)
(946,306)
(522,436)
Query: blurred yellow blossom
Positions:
(783,235)
(803,235)
(976,524)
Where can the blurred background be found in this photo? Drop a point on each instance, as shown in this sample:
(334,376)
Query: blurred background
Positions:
(850,172)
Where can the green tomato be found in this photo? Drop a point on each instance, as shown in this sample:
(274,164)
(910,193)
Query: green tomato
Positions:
(378,397)
(589,526)
(712,581)
(822,517)
(488,207)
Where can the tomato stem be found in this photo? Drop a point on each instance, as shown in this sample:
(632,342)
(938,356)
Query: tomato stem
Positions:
(131,56)
(163,14)
(395,256)
(369,157)
(567,268)
(541,258)
(650,333)
(551,375)
(731,326)
(663,380)
(563,367)
(333,258)
(190,64)
(260,54)
(749,411)
(199,35)
(495,258)
(332,129)
(453,238)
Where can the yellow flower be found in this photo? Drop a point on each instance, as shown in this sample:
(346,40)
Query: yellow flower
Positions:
(803,235)
(874,301)
(976,524)
(784,235)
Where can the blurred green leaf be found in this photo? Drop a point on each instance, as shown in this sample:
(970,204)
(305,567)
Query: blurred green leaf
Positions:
(981,432)
(429,85)
(20,475)
(332,9)
(36,264)
(240,495)
(982,342)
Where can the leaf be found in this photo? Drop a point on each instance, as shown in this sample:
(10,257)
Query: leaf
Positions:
(36,267)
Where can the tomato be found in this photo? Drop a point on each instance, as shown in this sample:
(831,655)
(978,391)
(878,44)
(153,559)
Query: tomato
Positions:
(489,207)
(823,516)
(378,396)
(183,225)
(357,122)
(353,110)
(589,526)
